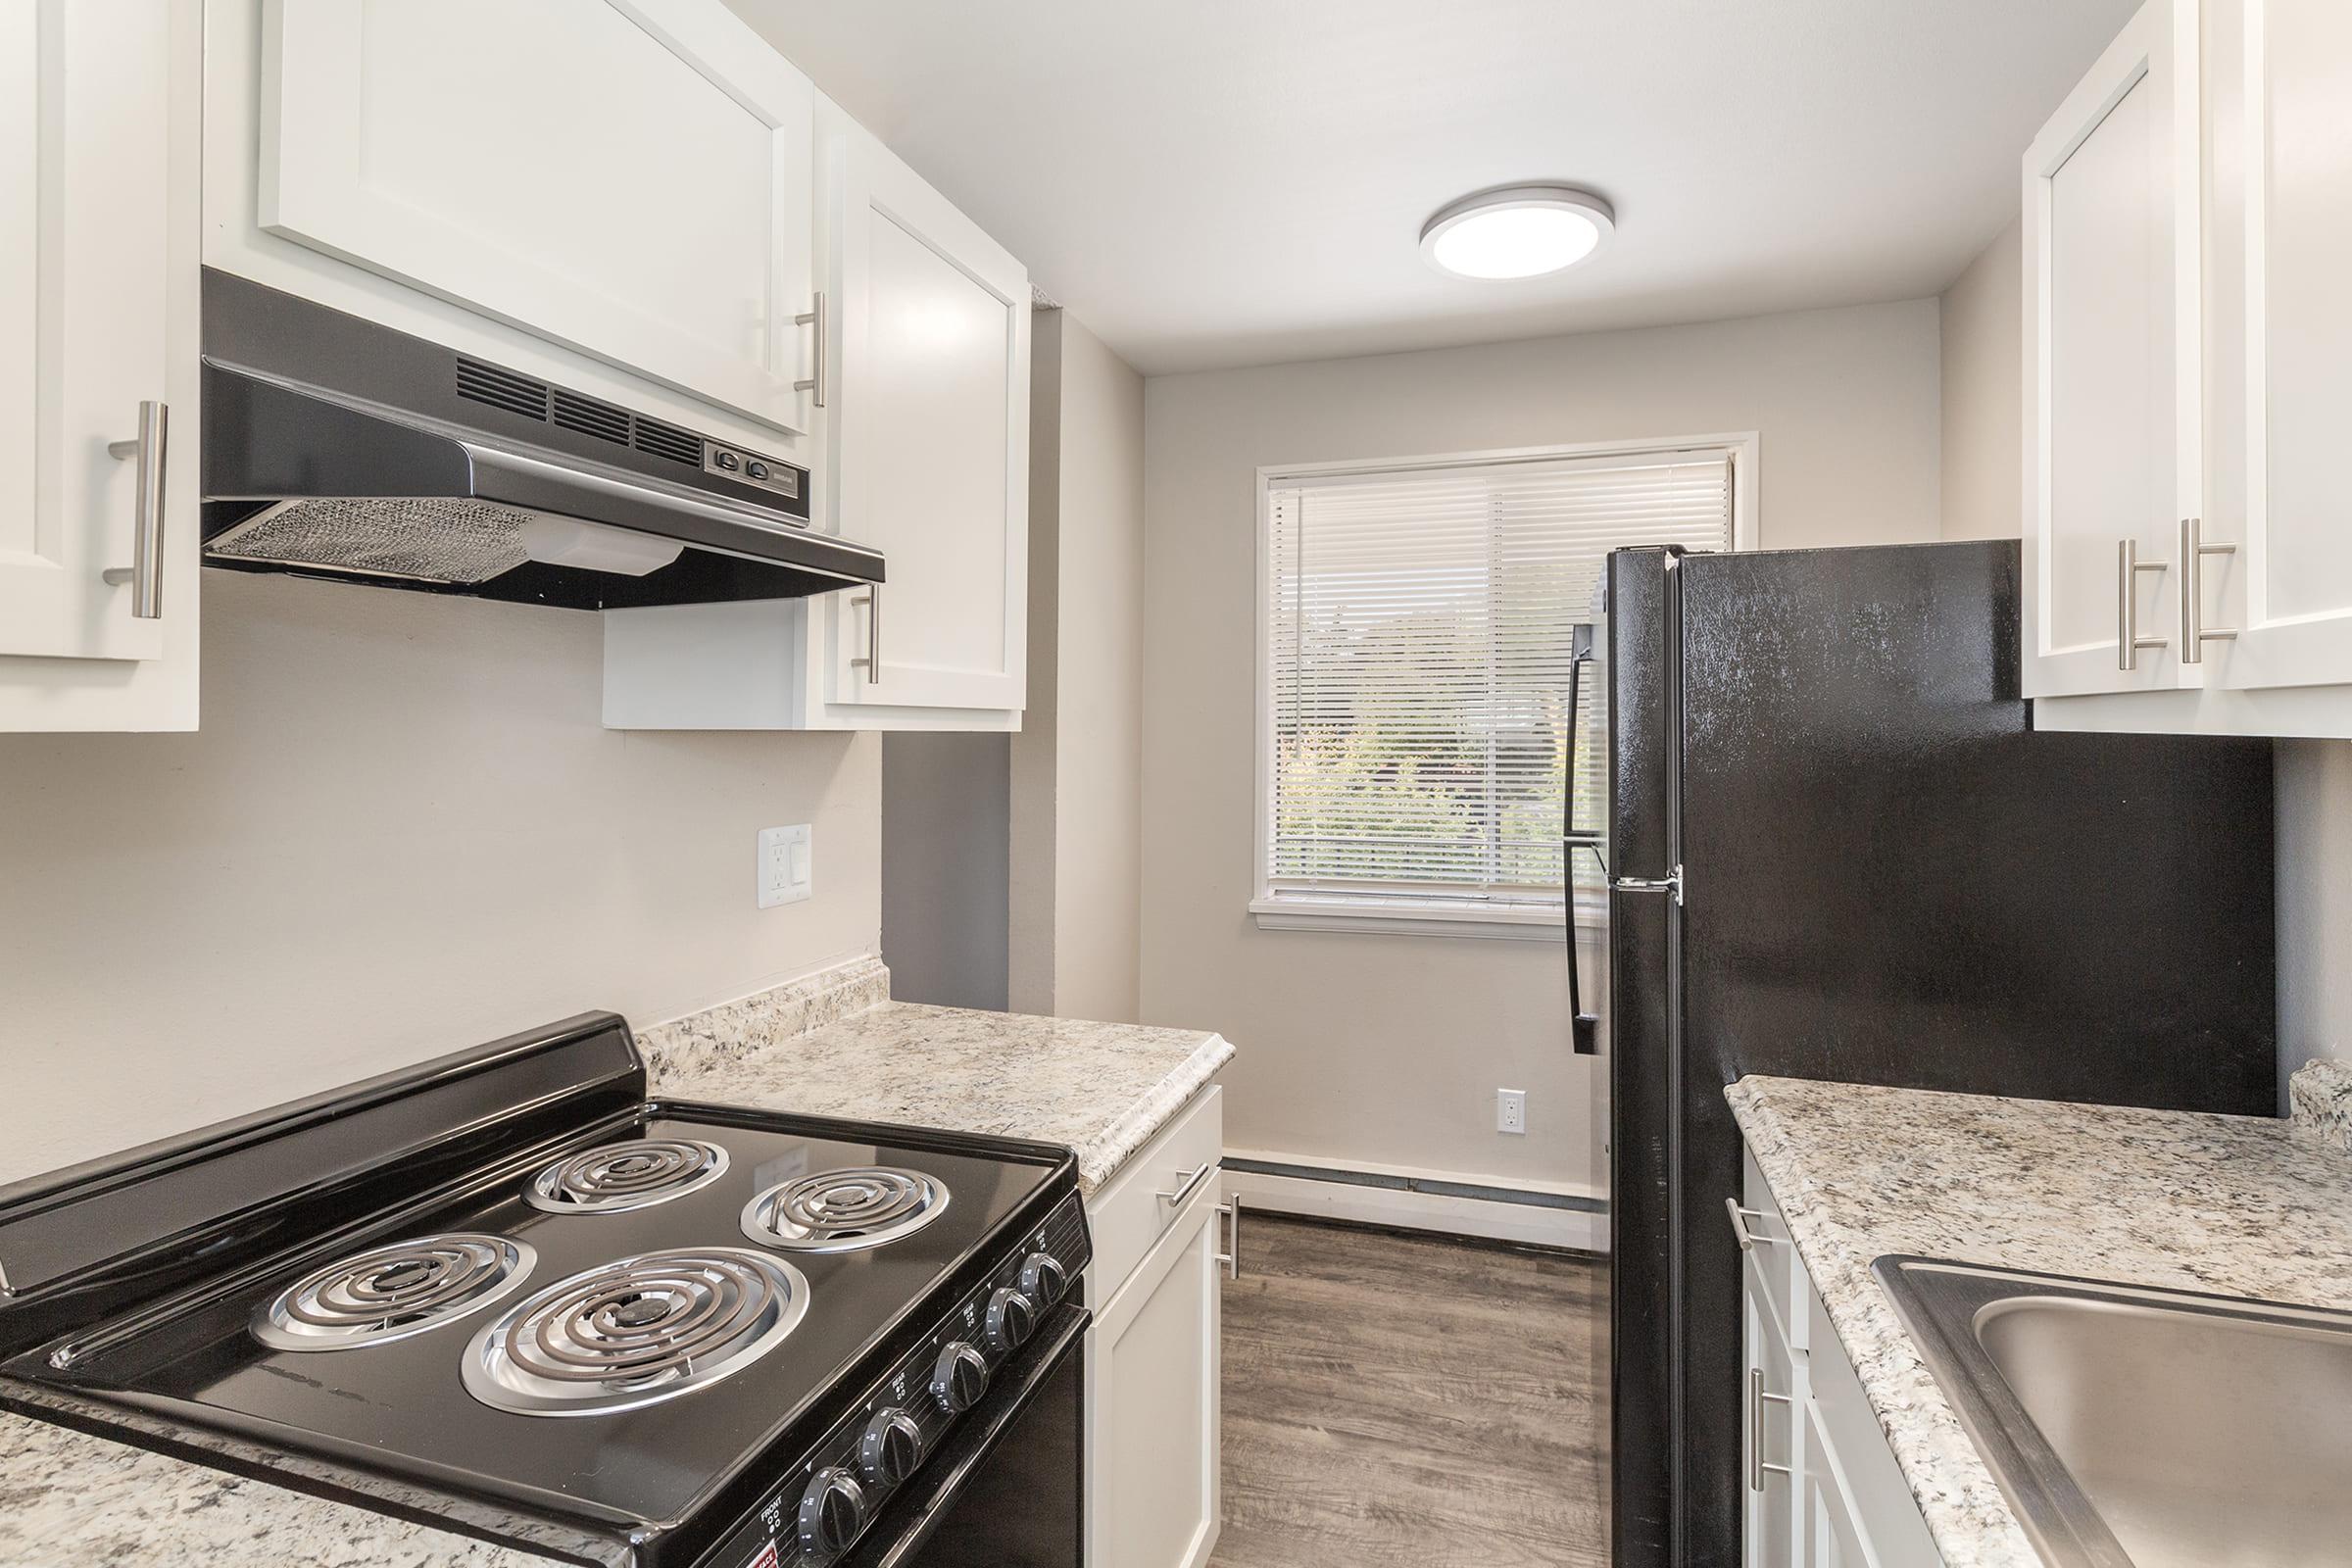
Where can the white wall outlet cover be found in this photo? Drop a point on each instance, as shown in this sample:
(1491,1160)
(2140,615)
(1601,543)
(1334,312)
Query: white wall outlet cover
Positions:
(1510,1110)
(786,874)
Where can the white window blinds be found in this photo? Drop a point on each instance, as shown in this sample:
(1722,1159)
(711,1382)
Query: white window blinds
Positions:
(1419,639)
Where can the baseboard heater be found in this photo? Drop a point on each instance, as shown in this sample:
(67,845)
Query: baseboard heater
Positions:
(1434,1187)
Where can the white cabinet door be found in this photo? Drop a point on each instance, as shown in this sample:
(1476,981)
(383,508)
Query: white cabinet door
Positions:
(928,439)
(1770,1451)
(100,103)
(1153,1404)
(925,424)
(1834,1537)
(631,178)
(2111,327)
(2283,143)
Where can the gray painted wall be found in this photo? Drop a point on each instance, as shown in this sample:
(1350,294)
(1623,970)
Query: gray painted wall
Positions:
(1077,764)
(945,853)
(401,830)
(1387,1050)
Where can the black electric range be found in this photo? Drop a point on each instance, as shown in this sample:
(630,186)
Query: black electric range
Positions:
(504,1293)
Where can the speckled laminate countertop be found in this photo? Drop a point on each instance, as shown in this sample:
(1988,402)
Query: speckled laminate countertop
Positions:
(2229,1204)
(69,1500)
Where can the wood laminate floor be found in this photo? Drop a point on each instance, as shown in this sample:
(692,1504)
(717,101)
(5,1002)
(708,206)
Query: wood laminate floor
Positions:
(1401,1401)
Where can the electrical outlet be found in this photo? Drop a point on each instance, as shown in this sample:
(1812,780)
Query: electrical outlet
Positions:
(784,865)
(1510,1110)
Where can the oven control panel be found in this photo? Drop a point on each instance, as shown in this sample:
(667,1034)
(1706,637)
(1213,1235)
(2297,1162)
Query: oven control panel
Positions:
(818,1510)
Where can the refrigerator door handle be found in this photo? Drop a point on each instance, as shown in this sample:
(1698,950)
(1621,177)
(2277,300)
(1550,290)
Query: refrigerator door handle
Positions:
(1671,883)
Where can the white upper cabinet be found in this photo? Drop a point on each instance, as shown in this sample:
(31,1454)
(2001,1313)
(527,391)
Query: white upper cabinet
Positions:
(100,124)
(629,178)
(2282,227)
(925,456)
(2112,324)
(2253,604)
(929,440)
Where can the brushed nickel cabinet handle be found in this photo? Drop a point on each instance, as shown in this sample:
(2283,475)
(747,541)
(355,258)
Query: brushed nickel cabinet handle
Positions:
(1747,1238)
(2128,568)
(2194,634)
(1190,1185)
(871,664)
(1231,1258)
(152,449)
(1756,1397)
(821,319)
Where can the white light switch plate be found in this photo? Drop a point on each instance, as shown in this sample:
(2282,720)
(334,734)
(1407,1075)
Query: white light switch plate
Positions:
(784,865)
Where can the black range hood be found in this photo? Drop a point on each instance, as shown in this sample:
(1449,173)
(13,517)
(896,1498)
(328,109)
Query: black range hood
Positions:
(338,447)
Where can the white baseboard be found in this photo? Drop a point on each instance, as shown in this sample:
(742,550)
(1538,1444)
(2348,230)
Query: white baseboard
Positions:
(1331,1193)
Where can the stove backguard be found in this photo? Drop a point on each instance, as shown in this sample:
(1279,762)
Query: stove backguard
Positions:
(81,1244)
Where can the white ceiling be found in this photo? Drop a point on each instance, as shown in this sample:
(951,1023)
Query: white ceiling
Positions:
(1215,182)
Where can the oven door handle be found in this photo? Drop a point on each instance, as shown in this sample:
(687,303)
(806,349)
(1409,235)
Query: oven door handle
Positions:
(909,1522)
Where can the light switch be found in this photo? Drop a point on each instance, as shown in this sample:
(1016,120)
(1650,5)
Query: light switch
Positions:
(784,865)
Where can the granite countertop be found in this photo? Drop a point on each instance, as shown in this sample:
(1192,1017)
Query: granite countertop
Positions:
(70,1501)
(2228,1204)
(1103,1089)
(829,1045)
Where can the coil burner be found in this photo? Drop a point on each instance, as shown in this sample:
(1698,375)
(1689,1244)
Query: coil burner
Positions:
(845,1210)
(388,1293)
(635,1174)
(636,1332)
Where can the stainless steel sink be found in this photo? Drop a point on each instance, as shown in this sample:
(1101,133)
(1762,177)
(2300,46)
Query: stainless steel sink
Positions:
(2145,1429)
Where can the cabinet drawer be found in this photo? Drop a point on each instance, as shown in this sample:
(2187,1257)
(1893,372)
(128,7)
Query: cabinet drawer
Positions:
(1774,1256)
(1127,1214)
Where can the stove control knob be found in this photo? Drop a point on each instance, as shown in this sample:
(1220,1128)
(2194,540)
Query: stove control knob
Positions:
(959,1377)
(1043,1279)
(832,1512)
(893,1445)
(1010,1317)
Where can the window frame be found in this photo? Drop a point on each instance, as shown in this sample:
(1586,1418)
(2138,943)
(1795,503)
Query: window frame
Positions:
(1366,915)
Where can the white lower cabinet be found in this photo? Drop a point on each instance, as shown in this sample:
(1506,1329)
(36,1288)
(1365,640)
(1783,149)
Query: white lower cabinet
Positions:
(1824,1490)
(1153,1354)
(1834,1538)
(1771,1447)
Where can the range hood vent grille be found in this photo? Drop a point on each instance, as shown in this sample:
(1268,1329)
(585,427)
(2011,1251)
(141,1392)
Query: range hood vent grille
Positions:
(669,441)
(502,389)
(590,418)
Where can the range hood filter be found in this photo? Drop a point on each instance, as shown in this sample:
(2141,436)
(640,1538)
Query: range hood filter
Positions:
(435,539)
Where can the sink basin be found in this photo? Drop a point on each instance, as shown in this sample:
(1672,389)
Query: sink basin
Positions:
(2136,1428)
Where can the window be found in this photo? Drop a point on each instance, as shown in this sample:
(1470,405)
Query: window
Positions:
(1420,627)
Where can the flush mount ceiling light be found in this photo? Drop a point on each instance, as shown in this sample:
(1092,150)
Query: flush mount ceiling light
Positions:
(1516,232)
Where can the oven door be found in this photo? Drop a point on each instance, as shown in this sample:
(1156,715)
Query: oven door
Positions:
(1008,1488)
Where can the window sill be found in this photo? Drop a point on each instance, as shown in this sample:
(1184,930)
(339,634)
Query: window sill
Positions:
(1406,920)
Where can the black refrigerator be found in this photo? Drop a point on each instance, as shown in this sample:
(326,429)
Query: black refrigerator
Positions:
(1841,850)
